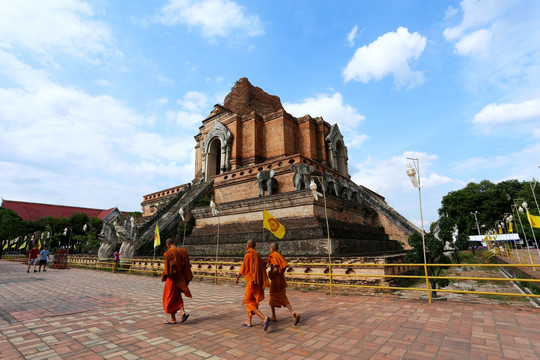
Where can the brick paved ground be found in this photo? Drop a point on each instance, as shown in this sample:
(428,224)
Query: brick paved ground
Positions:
(85,314)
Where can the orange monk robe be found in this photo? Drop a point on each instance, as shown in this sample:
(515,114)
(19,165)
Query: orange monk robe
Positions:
(278,295)
(254,271)
(177,275)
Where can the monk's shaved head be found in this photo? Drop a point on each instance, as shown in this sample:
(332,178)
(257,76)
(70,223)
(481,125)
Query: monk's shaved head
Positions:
(274,246)
(251,244)
(171,241)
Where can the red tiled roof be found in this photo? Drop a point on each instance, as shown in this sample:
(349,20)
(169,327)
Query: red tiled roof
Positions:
(33,211)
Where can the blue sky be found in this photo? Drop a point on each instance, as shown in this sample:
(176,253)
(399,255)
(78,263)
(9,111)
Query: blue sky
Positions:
(100,100)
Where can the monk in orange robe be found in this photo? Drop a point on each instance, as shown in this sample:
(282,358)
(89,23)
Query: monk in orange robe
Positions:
(278,295)
(254,271)
(177,275)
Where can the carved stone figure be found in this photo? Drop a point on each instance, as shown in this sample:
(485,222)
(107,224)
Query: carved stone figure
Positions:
(332,184)
(267,182)
(302,175)
(108,241)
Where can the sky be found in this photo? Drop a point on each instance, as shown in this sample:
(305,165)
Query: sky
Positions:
(100,100)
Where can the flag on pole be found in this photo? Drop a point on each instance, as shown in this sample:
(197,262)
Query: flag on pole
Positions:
(500,230)
(273,225)
(510,227)
(533,220)
(39,243)
(157,240)
(5,246)
(22,246)
(13,246)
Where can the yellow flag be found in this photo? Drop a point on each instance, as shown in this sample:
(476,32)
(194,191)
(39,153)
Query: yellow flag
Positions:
(22,246)
(13,246)
(533,220)
(157,240)
(500,230)
(5,246)
(273,225)
(39,243)
(510,227)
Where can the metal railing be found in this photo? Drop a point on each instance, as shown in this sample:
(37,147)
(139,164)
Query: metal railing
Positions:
(379,276)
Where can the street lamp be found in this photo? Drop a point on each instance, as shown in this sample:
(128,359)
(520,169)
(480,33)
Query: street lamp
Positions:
(525,206)
(316,194)
(181,212)
(476,219)
(414,175)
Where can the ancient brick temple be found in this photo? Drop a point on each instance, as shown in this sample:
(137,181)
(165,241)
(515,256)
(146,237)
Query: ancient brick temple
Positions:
(253,155)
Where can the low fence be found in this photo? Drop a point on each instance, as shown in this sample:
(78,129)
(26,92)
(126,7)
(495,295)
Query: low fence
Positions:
(377,276)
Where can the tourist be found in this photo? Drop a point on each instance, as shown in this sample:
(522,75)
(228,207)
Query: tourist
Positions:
(254,271)
(32,257)
(177,275)
(116,258)
(278,296)
(44,257)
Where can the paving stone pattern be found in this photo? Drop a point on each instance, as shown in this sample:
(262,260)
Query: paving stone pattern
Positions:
(86,314)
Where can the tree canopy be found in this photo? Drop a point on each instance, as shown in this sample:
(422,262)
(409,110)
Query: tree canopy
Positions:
(491,202)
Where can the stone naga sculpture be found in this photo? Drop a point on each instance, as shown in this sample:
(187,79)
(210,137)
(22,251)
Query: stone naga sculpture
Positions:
(302,175)
(108,241)
(267,182)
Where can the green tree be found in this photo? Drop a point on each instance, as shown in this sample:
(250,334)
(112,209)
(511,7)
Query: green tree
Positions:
(434,255)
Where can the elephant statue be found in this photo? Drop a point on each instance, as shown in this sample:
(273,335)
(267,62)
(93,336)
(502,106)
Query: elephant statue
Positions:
(267,182)
(302,177)
(332,185)
(355,190)
(347,190)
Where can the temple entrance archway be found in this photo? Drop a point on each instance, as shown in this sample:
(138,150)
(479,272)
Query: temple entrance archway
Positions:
(213,166)
(341,158)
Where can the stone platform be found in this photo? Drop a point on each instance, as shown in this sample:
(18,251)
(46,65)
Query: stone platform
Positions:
(85,314)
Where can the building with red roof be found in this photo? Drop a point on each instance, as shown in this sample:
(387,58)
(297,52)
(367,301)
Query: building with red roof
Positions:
(29,211)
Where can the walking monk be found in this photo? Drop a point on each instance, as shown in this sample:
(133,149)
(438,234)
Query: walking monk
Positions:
(254,271)
(278,296)
(177,275)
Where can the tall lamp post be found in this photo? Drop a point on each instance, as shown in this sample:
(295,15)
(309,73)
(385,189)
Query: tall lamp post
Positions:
(476,220)
(181,213)
(414,174)
(313,188)
(524,205)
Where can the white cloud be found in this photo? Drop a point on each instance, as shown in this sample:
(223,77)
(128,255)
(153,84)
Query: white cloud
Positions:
(474,44)
(352,36)
(333,110)
(104,83)
(73,145)
(194,101)
(162,101)
(388,178)
(502,40)
(391,54)
(523,117)
(164,79)
(476,13)
(194,105)
(50,27)
(215,18)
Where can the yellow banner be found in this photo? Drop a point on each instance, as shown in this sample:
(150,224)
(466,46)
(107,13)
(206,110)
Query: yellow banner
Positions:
(157,240)
(510,227)
(533,220)
(5,247)
(273,225)
(22,246)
